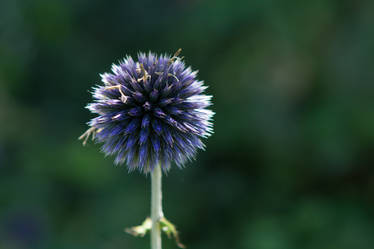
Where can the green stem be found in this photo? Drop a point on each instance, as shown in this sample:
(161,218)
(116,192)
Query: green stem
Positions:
(156,207)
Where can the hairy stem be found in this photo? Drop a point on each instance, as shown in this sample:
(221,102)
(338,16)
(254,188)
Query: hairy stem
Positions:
(156,207)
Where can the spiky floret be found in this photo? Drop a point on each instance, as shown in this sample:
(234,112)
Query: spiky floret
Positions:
(150,111)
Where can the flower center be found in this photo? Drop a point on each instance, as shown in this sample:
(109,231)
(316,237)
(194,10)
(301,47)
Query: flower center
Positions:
(147,106)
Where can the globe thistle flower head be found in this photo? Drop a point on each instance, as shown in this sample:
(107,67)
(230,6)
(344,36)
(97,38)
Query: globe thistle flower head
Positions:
(150,111)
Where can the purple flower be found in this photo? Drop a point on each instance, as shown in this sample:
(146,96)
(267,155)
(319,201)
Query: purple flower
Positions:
(151,111)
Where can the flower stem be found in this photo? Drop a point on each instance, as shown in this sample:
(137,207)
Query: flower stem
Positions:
(156,207)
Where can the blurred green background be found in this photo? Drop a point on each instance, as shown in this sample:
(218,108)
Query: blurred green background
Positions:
(289,165)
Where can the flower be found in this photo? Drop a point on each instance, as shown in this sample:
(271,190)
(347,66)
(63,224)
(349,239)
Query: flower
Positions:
(151,111)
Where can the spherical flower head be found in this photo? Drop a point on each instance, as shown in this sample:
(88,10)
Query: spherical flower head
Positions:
(150,111)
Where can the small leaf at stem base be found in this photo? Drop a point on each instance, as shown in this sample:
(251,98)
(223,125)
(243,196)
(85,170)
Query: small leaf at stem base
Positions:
(140,231)
(165,225)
